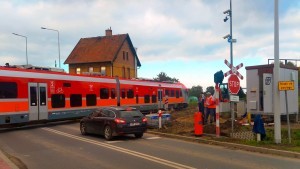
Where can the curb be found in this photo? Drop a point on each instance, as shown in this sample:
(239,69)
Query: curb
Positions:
(232,145)
(5,162)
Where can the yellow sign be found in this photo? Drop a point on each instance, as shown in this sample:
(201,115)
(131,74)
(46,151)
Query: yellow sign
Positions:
(285,85)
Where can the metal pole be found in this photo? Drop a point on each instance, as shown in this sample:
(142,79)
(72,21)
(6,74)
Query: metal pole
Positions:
(231,61)
(217,90)
(276,103)
(231,48)
(58,49)
(57,42)
(26,52)
(26,45)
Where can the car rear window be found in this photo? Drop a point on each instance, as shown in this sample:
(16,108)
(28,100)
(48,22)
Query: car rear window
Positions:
(135,114)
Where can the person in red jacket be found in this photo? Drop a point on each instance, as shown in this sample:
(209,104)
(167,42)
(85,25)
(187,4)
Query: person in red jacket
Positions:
(211,107)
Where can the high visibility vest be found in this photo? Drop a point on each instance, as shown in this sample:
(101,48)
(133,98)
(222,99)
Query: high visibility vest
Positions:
(211,102)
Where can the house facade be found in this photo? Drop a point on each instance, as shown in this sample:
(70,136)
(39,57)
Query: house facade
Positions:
(109,55)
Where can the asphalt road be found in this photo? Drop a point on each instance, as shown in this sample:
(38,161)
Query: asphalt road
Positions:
(61,146)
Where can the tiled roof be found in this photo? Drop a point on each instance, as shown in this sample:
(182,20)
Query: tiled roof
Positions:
(99,49)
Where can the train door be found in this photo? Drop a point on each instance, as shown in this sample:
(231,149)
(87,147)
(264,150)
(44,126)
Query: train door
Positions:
(160,99)
(37,94)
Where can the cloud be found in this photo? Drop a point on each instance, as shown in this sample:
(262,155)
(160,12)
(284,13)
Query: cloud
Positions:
(185,31)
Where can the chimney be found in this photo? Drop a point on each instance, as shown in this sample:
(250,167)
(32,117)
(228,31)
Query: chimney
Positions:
(108,32)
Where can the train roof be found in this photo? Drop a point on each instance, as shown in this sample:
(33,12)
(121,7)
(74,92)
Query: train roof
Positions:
(55,73)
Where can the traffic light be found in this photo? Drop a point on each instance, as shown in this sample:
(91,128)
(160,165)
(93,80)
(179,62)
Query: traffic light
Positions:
(218,77)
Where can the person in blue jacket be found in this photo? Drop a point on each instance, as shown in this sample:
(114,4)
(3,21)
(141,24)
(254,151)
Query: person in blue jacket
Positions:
(258,126)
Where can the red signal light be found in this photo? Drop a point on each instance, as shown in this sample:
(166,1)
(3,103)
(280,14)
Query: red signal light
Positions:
(120,121)
(144,120)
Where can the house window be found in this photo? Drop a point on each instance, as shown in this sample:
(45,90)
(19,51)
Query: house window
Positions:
(123,72)
(78,70)
(126,55)
(128,73)
(103,70)
(91,69)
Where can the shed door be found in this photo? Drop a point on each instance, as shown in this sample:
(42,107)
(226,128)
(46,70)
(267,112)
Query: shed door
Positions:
(37,94)
(267,93)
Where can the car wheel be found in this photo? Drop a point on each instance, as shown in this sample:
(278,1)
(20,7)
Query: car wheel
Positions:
(138,135)
(107,133)
(83,128)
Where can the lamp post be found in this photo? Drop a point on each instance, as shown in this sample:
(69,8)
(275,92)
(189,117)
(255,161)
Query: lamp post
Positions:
(229,36)
(26,45)
(57,41)
(230,40)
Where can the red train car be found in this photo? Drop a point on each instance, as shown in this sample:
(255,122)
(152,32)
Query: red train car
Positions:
(31,95)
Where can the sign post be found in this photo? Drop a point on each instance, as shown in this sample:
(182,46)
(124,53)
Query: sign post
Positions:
(233,84)
(284,86)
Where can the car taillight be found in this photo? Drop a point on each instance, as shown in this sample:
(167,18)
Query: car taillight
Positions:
(120,121)
(144,120)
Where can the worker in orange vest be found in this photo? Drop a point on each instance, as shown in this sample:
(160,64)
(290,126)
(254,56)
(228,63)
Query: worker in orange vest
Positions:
(211,107)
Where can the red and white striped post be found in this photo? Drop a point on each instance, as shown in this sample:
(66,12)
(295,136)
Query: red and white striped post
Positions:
(217,89)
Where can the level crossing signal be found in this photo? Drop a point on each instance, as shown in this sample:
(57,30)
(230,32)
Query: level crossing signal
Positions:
(233,80)
(233,70)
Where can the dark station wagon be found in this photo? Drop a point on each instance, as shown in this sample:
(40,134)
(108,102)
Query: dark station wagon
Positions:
(114,121)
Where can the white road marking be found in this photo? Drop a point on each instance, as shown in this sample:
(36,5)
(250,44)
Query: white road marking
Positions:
(123,150)
(152,138)
(112,142)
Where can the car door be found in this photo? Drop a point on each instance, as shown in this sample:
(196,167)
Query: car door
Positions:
(105,120)
(89,122)
(98,122)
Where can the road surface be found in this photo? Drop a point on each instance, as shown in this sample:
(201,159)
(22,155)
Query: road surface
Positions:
(61,146)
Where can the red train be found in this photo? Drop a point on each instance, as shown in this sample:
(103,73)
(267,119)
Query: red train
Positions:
(32,95)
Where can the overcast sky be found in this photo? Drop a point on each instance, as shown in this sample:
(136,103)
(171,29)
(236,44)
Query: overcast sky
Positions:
(183,38)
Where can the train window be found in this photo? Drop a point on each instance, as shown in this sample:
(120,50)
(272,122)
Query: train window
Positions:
(147,99)
(91,100)
(154,99)
(58,100)
(123,93)
(180,93)
(167,93)
(172,93)
(130,94)
(43,99)
(33,96)
(67,84)
(177,93)
(8,90)
(137,99)
(76,100)
(113,93)
(104,93)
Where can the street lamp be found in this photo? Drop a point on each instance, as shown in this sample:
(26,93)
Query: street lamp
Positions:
(228,13)
(26,45)
(57,41)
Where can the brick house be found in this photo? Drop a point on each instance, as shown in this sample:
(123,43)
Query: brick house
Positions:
(109,55)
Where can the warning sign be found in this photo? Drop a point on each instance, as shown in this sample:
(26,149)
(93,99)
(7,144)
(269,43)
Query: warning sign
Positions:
(285,85)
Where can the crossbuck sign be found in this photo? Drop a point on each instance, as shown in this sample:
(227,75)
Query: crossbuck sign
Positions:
(233,80)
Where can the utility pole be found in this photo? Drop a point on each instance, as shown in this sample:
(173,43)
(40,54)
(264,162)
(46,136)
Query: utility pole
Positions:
(276,97)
